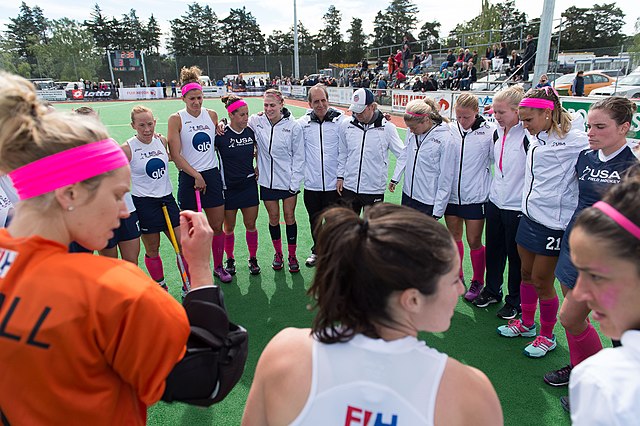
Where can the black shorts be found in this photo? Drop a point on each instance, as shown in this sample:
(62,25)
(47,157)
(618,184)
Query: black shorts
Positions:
(242,196)
(538,238)
(150,213)
(415,204)
(267,194)
(466,211)
(212,197)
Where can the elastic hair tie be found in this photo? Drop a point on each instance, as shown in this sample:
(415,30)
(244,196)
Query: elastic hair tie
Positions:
(189,87)
(537,103)
(67,167)
(416,114)
(235,105)
(618,218)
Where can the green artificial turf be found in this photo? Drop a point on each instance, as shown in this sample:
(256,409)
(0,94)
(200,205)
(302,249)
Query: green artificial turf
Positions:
(267,303)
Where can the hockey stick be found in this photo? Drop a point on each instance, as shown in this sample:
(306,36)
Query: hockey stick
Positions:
(174,243)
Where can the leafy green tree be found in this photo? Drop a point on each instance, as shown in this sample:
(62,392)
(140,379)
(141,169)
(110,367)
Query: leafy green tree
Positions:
(101,28)
(151,36)
(280,43)
(196,33)
(430,34)
(70,53)
(587,28)
(130,31)
(511,20)
(357,41)
(26,30)
(636,38)
(242,33)
(382,30)
(331,36)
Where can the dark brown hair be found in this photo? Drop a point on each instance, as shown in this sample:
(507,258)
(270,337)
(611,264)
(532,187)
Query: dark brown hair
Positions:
(624,197)
(229,99)
(361,261)
(560,117)
(621,110)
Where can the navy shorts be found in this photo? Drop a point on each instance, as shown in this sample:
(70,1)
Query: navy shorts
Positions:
(538,238)
(566,272)
(241,197)
(415,204)
(129,230)
(267,194)
(466,211)
(212,197)
(150,213)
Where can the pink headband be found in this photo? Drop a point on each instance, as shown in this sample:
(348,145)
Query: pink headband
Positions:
(537,103)
(235,105)
(67,167)
(416,114)
(190,86)
(618,218)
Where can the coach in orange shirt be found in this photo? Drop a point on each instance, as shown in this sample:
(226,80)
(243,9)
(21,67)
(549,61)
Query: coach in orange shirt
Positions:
(83,339)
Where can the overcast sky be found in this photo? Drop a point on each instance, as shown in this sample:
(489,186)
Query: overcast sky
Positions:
(278,14)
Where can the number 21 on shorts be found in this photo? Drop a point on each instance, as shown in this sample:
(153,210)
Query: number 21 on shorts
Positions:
(553,243)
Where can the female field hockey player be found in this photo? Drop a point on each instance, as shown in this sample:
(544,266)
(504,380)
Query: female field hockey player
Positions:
(280,151)
(426,159)
(396,269)
(598,168)
(236,147)
(472,178)
(191,133)
(76,344)
(549,199)
(605,247)
(151,188)
(509,155)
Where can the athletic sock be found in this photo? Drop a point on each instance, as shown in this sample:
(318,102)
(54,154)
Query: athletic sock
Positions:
(292,233)
(548,316)
(583,345)
(292,249)
(277,246)
(274,231)
(252,242)
(217,247)
(229,242)
(460,246)
(478,262)
(528,303)
(154,266)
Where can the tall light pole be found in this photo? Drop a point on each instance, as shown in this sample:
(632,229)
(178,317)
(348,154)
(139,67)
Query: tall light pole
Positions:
(296,57)
(544,40)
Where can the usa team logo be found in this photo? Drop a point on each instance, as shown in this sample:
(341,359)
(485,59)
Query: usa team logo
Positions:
(201,142)
(155,168)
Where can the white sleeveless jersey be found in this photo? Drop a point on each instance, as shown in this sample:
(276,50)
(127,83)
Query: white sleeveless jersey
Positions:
(128,201)
(373,382)
(149,168)
(196,137)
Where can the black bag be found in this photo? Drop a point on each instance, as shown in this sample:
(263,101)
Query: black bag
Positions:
(216,354)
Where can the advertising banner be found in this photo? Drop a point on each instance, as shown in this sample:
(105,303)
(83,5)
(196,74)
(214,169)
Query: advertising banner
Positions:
(52,95)
(132,93)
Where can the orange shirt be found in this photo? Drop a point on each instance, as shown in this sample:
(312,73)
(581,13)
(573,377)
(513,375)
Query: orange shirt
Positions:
(83,339)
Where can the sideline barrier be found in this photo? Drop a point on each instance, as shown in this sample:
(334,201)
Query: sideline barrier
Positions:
(213,91)
(133,93)
(52,95)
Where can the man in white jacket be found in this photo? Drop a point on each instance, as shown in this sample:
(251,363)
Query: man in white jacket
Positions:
(363,155)
(320,127)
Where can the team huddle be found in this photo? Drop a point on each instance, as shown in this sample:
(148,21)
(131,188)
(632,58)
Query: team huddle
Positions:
(552,200)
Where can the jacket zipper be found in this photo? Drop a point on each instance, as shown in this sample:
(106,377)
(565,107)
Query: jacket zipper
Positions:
(526,204)
(464,135)
(364,134)
(322,157)
(270,144)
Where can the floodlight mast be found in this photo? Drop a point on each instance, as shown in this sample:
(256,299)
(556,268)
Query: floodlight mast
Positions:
(544,41)
(296,58)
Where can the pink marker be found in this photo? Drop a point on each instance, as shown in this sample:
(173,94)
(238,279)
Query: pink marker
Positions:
(198,203)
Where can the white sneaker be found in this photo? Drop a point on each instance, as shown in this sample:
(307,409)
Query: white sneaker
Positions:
(311,260)
(540,346)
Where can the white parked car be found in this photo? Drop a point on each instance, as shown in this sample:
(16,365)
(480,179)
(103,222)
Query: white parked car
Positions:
(628,86)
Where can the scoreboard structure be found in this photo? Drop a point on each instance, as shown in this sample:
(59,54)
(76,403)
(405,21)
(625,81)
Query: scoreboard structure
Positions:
(126,60)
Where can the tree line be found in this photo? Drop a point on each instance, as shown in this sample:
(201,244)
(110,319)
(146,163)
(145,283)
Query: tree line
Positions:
(66,48)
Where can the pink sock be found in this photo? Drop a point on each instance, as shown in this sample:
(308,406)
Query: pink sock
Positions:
(292,249)
(217,247)
(229,242)
(154,266)
(460,245)
(583,345)
(528,303)
(478,262)
(548,316)
(252,242)
(277,245)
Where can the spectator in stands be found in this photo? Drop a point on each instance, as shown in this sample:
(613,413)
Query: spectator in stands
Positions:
(174,92)
(514,64)
(544,82)
(406,57)
(503,53)
(399,78)
(391,63)
(474,57)
(455,78)
(485,64)
(381,86)
(427,61)
(398,59)
(529,57)
(577,87)
(451,58)
(364,65)
(445,78)
(470,77)
(467,55)
(460,59)
(427,84)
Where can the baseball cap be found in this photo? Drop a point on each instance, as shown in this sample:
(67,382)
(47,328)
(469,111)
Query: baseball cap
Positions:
(360,99)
